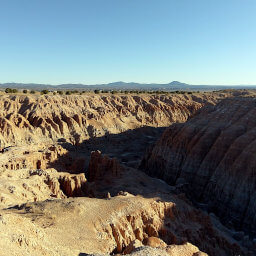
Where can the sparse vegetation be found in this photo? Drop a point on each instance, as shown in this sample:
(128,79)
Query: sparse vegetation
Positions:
(98,91)
(44,92)
(9,90)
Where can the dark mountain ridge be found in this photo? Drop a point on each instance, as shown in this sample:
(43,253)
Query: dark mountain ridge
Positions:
(172,86)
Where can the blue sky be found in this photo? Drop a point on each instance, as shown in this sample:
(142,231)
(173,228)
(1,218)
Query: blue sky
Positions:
(98,41)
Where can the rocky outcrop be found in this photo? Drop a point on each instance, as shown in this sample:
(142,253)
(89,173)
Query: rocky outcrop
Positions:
(63,184)
(102,166)
(213,157)
(17,158)
(117,225)
(170,223)
(73,185)
(25,185)
(33,119)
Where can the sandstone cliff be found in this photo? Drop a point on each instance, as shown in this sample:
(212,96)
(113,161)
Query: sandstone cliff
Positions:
(41,119)
(213,157)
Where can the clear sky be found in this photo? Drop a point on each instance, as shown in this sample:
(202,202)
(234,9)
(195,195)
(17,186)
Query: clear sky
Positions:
(100,41)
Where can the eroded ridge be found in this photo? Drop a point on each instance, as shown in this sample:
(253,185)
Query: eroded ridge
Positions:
(213,156)
(37,119)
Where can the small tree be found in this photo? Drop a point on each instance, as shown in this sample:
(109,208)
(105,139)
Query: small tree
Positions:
(96,91)
(68,92)
(32,92)
(44,92)
(60,92)
(25,91)
(8,90)
(14,90)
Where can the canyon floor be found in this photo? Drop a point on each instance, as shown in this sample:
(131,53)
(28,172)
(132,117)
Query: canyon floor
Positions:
(128,174)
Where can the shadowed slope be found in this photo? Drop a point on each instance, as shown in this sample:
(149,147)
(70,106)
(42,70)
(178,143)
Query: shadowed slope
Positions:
(214,152)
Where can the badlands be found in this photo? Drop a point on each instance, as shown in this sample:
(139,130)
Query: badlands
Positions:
(146,174)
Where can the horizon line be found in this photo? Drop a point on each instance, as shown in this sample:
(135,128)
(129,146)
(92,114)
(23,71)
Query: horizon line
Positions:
(115,82)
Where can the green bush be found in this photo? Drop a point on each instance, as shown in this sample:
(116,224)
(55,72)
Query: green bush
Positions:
(68,92)
(44,92)
(60,92)
(96,91)
(9,90)
(32,92)
(25,91)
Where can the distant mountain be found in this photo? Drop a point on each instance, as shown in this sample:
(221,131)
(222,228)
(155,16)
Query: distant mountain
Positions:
(177,83)
(172,86)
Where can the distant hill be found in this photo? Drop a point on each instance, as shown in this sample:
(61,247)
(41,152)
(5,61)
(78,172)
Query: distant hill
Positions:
(172,86)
